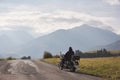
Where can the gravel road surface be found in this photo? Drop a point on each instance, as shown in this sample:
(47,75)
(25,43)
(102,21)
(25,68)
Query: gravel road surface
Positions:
(37,70)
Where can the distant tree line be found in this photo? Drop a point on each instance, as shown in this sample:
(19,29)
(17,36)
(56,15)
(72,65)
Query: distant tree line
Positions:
(94,54)
(98,53)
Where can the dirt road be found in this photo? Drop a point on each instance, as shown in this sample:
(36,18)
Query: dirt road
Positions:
(37,70)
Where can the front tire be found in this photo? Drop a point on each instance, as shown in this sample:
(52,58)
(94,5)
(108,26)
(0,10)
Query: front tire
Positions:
(60,66)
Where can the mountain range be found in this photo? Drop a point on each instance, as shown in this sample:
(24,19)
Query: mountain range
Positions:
(84,38)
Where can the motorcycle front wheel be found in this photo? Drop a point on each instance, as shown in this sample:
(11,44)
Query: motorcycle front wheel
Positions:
(60,66)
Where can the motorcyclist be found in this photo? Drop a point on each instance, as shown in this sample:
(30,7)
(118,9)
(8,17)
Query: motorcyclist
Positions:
(68,55)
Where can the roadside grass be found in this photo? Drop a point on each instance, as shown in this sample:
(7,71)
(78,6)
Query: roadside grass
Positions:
(107,67)
(51,60)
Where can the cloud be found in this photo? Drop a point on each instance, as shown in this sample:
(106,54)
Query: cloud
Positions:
(112,2)
(32,19)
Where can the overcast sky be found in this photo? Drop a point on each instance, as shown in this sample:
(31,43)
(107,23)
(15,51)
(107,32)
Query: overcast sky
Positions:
(44,16)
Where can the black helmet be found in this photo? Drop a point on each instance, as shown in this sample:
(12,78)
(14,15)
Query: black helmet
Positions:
(70,48)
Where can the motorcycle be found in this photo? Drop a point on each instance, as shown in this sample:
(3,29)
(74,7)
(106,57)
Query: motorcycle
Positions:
(71,65)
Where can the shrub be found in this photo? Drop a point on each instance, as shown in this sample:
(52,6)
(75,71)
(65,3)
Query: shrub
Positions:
(47,55)
(10,58)
(29,57)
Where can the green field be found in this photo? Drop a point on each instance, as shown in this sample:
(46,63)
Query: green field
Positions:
(108,67)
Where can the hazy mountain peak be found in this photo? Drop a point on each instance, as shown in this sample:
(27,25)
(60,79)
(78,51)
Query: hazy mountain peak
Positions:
(100,25)
(90,27)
